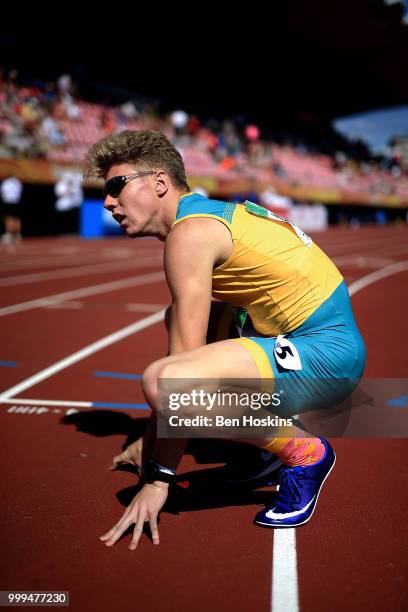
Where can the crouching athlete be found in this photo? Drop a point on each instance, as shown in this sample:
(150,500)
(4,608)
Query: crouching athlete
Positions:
(290,302)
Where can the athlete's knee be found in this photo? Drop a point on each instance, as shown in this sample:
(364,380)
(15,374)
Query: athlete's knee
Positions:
(164,378)
(149,382)
(162,369)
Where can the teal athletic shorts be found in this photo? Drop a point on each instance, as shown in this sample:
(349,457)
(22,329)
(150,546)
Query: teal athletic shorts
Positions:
(320,363)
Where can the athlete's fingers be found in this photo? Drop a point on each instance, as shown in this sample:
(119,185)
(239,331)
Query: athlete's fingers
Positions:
(117,530)
(114,535)
(138,530)
(124,457)
(154,528)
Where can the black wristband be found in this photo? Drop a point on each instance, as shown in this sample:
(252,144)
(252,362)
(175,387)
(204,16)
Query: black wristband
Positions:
(155,471)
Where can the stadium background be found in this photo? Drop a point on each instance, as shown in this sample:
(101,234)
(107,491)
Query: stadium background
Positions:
(260,95)
(67,304)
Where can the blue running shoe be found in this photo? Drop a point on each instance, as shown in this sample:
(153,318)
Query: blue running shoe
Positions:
(298,492)
(260,469)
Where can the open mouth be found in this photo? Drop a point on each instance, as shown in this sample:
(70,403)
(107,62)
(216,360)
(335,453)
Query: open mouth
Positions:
(119,218)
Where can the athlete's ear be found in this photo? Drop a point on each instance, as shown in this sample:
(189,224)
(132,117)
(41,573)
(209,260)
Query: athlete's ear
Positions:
(161,183)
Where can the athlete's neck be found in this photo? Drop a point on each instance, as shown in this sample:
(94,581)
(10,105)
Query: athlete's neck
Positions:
(168,213)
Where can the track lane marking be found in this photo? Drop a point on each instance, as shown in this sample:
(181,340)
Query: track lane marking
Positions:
(18,402)
(284,579)
(285,589)
(80,257)
(82,354)
(63,273)
(133,281)
(377,275)
(131,307)
(359,245)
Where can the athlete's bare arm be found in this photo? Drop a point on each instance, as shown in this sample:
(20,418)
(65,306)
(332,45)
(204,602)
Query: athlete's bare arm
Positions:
(193,248)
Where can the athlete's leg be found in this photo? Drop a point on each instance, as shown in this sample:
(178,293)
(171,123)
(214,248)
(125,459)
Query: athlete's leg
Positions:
(306,461)
(216,362)
(220,327)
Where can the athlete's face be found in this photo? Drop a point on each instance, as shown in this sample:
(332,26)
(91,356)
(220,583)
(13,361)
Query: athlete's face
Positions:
(133,202)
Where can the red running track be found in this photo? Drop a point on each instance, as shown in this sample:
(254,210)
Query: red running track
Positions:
(58,495)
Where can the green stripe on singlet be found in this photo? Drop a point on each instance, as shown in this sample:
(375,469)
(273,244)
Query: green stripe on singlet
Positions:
(229,211)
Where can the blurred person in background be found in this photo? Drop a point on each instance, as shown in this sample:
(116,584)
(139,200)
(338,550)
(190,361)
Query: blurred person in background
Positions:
(276,203)
(69,194)
(11,191)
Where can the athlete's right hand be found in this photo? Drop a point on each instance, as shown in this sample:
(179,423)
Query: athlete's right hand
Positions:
(144,508)
(132,454)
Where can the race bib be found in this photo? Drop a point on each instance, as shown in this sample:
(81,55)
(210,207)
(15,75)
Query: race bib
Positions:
(286,354)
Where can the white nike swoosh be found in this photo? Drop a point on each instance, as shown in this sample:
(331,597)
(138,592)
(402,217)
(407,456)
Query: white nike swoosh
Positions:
(276,515)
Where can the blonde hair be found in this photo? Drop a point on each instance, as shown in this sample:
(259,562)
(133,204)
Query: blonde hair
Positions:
(147,148)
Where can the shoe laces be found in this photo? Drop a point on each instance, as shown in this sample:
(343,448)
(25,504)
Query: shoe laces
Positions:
(291,485)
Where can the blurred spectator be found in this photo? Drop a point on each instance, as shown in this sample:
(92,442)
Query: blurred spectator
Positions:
(108,123)
(64,83)
(129,110)
(201,191)
(49,120)
(179,120)
(50,130)
(252,132)
(69,194)
(11,191)
(280,205)
(67,95)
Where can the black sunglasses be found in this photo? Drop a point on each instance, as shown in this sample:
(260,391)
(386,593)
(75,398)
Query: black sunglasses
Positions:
(114,186)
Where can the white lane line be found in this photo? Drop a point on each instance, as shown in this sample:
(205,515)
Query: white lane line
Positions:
(77,305)
(362,261)
(145,279)
(41,402)
(285,590)
(62,273)
(82,354)
(54,262)
(90,257)
(144,307)
(17,403)
(377,275)
(359,245)
(285,594)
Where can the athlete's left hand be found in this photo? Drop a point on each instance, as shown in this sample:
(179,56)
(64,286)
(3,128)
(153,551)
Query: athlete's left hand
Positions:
(145,507)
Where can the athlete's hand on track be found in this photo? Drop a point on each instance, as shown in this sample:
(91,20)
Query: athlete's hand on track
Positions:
(145,507)
(132,454)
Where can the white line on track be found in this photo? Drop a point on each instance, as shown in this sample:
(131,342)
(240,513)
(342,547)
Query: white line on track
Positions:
(285,593)
(82,354)
(285,597)
(359,247)
(62,273)
(106,306)
(145,279)
(360,261)
(395,250)
(41,402)
(50,261)
(79,257)
(377,275)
